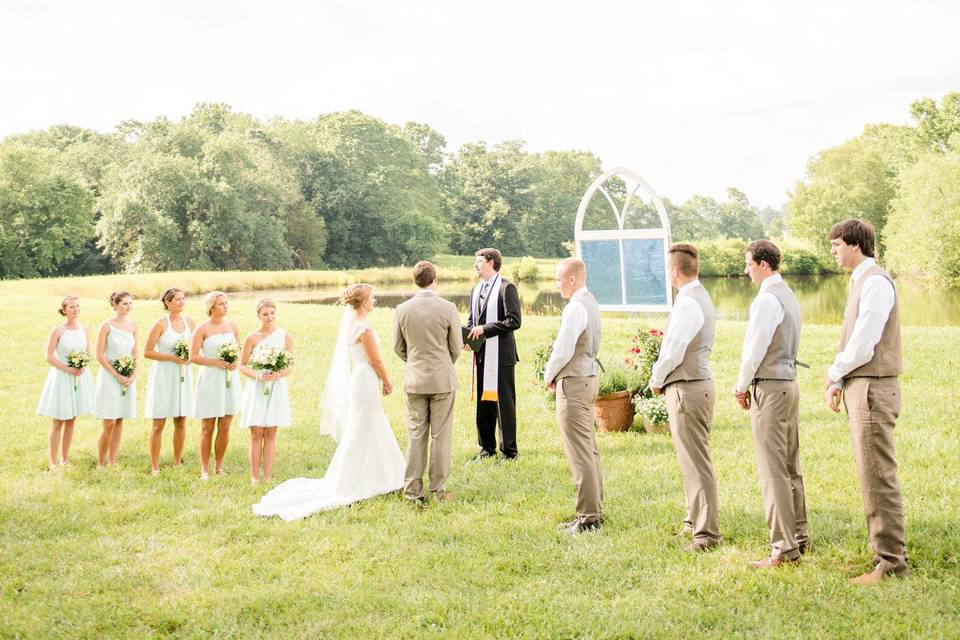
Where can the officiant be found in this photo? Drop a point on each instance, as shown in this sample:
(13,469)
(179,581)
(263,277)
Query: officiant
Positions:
(494,316)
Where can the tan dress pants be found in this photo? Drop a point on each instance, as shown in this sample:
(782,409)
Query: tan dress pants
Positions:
(873,405)
(575,415)
(690,407)
(774,417)
(429,418)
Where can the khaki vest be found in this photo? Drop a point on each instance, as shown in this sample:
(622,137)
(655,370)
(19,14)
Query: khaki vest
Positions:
(886,360)
(780,361)
(584,361)
(696,359)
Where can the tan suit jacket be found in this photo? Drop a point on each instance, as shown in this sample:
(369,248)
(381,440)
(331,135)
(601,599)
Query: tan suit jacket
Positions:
(427,336)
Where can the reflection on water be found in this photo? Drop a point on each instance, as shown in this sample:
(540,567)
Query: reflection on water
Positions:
(822,299)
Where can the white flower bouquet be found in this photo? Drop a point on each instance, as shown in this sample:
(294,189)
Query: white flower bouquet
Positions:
(77,360)
(270,358)
(229,353)
(125,366)
(182,350)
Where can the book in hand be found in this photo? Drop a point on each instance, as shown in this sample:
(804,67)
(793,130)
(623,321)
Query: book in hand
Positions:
(473,344)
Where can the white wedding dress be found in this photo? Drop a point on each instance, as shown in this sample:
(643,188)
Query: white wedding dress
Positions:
(367,461)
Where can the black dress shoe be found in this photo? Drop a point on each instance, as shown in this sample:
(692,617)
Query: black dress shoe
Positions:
(578,526)
(483,455)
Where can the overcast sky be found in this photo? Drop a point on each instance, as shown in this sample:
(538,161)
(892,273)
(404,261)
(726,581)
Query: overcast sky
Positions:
(695,97)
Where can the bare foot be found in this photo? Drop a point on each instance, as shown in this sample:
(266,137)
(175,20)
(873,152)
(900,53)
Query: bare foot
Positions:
(204,475)
(254,482)
(220,472)
(53,467)
(154,472)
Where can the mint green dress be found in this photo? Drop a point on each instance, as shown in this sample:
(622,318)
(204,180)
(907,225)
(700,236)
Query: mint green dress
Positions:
(213,398)
(66,396)
(169,385)
(111,402)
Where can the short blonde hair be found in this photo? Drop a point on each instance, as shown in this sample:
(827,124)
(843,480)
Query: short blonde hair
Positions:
(266,302)
(65,301)
(211,300)
(355,294)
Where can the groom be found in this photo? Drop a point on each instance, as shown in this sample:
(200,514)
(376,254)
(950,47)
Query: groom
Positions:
(428,338)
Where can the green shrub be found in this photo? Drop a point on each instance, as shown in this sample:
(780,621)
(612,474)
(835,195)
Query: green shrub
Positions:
(619,378)
(525,269)
(800,262)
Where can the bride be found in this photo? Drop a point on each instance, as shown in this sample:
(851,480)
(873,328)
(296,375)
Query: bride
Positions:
(367,461)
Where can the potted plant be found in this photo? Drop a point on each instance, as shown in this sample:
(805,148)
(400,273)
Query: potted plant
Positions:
(653,411)
(614,409)
(644,351)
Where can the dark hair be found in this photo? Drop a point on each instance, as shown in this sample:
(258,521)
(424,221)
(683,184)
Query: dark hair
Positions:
(686,257)
(117,296)
(168,295)
(491,255)
(856,232)
(424,273)
(764,250)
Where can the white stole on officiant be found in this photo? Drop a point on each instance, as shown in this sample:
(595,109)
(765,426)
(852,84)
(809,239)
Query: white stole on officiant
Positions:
(491,349)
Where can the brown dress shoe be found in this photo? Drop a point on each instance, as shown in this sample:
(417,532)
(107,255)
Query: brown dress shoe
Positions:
(703,544)
(769,563)
(443,496)
(869,579)
(579,526)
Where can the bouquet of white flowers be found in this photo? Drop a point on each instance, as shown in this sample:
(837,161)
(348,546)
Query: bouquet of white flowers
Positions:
(182,350)
(229,353)
(77,360)
(125,366)
(270,358)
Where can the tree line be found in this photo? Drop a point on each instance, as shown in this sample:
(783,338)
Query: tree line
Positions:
(905,179)
(224,190)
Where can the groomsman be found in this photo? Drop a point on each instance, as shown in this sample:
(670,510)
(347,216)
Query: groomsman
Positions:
(867,369)
(768,368)
(571,374)
(495,315)
(682,373)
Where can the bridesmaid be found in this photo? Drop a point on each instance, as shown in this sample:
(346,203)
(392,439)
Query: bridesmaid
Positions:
(116,394)
(266,402)
(217,397)
(67,391)
(170,380)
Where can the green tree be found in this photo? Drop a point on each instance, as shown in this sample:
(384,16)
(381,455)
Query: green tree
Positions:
(46,216)
(558,180)
(487,192)
(373,188)
(855,179)
(923,231)
(205,193)
(936,125)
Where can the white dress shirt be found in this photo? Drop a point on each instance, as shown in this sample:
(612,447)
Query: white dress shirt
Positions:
(766,314)
(685,321)
(876,302)
(573,322)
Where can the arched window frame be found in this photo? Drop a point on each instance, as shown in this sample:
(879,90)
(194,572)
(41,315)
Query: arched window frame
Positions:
(620,234)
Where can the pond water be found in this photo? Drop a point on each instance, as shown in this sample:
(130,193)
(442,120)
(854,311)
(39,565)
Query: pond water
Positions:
(822,298)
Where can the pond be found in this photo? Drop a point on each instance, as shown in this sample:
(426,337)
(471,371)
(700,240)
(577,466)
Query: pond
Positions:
(822,298)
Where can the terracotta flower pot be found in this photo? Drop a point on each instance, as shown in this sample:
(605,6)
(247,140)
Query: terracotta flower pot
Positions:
(614,412)
(651,427)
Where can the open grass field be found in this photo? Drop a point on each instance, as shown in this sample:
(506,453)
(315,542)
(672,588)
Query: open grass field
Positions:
(118,553)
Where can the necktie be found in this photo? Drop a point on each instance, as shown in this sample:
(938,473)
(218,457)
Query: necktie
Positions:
(483,293)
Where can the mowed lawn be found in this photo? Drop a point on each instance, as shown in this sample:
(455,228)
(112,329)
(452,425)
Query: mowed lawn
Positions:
(118,553)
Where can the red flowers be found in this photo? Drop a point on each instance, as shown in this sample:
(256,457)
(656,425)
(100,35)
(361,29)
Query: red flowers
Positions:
(655,333)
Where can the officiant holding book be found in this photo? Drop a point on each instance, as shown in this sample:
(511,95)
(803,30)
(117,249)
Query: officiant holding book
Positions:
(494,316)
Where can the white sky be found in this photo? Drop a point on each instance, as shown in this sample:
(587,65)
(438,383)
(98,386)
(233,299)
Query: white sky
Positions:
(694,96)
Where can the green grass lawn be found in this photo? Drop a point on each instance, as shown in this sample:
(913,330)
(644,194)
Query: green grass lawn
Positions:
(88,554)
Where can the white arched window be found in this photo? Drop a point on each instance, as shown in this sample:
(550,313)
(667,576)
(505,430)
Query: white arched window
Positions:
(623,234)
